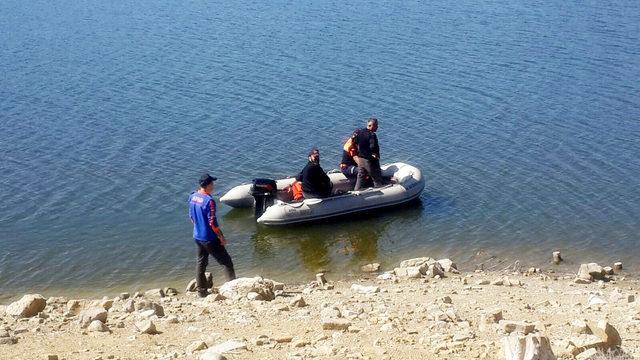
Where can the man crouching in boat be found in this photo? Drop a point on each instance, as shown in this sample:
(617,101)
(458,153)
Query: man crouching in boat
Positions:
(315,182)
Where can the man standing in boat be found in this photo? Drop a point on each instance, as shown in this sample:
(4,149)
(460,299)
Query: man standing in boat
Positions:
(368,158)
(206,233)
(315,182)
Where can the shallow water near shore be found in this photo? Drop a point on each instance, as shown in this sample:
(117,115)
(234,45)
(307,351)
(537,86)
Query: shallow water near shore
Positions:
(523,116)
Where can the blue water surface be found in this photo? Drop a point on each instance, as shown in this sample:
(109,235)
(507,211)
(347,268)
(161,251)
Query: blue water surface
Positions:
(524,117)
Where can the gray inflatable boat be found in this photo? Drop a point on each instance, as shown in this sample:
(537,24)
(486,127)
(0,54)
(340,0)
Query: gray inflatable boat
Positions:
(406,184)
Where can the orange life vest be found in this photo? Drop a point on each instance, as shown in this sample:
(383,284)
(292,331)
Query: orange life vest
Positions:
(296,188)
(350,147)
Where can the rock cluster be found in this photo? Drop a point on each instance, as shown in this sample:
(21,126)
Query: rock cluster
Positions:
(439,314)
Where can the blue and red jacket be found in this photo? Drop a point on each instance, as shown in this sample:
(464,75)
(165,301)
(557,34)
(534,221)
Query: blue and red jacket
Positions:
(202,211)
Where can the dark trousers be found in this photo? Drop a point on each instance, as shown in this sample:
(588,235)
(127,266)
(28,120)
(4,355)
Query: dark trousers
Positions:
(215,249)
(369,167)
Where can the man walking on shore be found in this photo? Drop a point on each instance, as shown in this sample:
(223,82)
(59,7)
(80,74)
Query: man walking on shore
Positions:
(206,233)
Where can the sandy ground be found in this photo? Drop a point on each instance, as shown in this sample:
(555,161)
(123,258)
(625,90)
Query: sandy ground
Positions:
(424,318)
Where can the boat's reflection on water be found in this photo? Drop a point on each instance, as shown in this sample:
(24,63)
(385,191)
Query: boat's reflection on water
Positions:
(340,244)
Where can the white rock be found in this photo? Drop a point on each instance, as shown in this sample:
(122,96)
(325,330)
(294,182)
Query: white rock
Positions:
(241,287)
(448,266)
(298,301)
(227,346)
(606,332)
(522,327)
(527,347)
(97,326)
(196,346)
(87,316)
(30,305)
(595,300)
(416,262)
(590,354)
(591,271)
(389,275)
(579,326)
(361,289)
(146,327)
(375,267)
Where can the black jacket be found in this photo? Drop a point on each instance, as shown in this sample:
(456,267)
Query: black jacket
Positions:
(367,142)
(314,180)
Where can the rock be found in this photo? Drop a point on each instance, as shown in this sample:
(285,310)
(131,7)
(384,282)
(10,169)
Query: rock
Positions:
(409,272)
(147,314)
(556,257)
(97,326)
(253,296)
(389,275)
(150,305)
(196,346)
(497,282)
(89,315)
(579,326)
(434,270)
(330,312)
(335,324)
(215,297)
(278,286)
(124,296)
(608,270)
(169,291)
(591,271)
(508,326)
(595,300)
(30,305)
(281,339)
(607,333)
(154,293)
(416,262)
(229,345)
(241,287)
(129,306)
(8,341)
(527,347)
(369,268)
(298,301)
(449,266)
(445,300)
(104,303)
(74,306)
(585,342)
(52,357)
(361,289)
(579,280)
(320,279)
(631,298)
(207,355)
(488,319)
(193,285)
(591,354)
(300,343)
(617,266)
(146,327)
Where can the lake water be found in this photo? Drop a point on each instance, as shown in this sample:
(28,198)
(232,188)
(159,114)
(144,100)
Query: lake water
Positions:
(524,117)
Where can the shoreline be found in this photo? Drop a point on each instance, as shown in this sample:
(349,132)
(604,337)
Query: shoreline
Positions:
(487,261)
(415,309)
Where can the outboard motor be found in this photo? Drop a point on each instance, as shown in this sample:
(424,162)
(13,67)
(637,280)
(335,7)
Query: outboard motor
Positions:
(264,192)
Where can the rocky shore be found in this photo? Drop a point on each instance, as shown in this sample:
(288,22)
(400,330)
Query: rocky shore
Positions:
(422,309)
